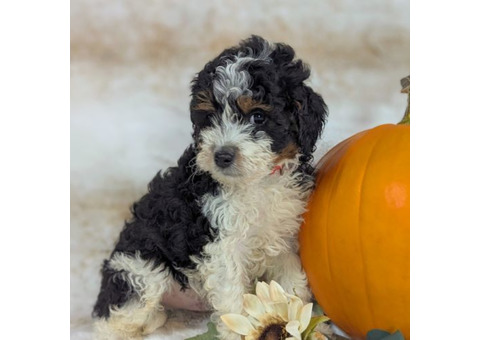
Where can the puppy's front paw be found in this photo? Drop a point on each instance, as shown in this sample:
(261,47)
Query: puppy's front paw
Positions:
(303,292)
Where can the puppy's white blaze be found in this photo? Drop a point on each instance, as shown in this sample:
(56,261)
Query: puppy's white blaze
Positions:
(231,81)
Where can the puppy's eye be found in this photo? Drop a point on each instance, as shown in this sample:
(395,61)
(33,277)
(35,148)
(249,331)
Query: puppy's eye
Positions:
(257,118)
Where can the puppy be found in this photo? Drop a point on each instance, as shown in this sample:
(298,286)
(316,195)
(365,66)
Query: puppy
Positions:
(228,214)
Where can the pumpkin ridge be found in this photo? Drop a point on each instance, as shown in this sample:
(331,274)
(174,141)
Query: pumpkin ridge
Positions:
(344,149)
(359,223)
(338,163)
(341,163)
(329,161)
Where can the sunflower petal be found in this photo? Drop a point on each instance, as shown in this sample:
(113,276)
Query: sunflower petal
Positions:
(305,316)
(277,294)
(292,328)
(255,323)
(262,291)
(294,298)
(253,305)
(237,323)
(281,309)
(294,308)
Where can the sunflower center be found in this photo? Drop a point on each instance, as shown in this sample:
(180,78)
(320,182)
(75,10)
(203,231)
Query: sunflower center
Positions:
(274,332)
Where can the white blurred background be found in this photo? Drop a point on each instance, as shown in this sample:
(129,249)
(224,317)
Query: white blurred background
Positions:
(131,67)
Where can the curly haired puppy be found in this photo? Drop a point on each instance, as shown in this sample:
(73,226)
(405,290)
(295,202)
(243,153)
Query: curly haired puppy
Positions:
(228,214)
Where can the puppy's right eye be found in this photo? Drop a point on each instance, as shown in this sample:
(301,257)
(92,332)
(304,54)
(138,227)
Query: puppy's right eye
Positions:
(257,118)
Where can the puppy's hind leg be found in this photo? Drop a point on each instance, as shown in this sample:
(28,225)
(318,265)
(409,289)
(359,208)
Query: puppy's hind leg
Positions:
(129,304)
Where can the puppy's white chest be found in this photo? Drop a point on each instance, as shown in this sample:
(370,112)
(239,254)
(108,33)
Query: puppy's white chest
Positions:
(255,224)
(262,215)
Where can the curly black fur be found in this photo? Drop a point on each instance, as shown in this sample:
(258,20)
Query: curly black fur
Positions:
(167,227)
(114,291)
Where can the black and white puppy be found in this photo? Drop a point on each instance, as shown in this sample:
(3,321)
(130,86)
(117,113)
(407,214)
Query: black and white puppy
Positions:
(228,214)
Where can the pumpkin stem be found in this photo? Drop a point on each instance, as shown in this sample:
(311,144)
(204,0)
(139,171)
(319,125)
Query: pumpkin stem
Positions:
(406,89)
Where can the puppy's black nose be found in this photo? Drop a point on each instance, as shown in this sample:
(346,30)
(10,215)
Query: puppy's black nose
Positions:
(225,156)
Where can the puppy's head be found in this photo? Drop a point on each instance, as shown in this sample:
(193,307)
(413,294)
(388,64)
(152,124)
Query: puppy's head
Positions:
(252,112)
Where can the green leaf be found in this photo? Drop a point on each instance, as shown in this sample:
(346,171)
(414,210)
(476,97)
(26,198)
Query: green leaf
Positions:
(210,334)
(317,310)
(378,334)
(313,323)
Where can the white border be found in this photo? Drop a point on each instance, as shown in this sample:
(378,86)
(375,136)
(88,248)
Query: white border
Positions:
(445,170)
(34,181)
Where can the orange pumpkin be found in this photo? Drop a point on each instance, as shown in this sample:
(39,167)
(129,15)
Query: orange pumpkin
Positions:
(355,241)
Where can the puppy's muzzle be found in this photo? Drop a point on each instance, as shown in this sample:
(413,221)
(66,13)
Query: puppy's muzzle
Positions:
(225,157)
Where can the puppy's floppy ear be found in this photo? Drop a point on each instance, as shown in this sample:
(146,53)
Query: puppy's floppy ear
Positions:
(310,113)
(308,109)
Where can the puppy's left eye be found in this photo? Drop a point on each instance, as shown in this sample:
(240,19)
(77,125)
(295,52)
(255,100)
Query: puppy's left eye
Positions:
(257,118)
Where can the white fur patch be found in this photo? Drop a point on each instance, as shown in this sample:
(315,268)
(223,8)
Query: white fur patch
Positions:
(231,81)
(257,227)
(254,158)
(142,315)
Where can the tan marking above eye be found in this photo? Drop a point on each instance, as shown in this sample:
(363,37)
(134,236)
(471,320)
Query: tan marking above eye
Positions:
(204,101)
(248,104)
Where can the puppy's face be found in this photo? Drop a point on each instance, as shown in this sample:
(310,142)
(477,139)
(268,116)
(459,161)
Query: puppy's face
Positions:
(251,112)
